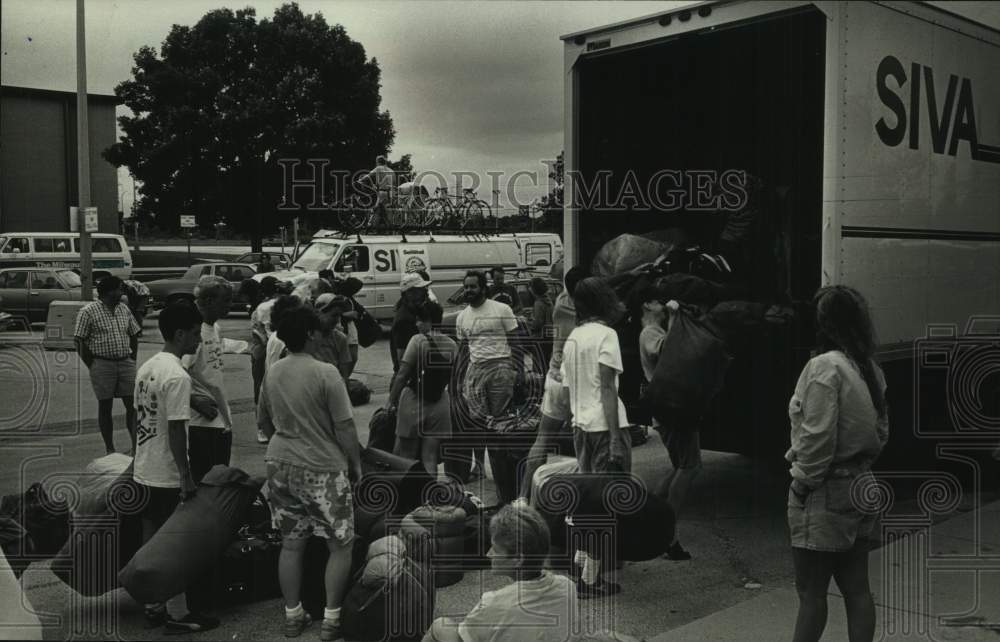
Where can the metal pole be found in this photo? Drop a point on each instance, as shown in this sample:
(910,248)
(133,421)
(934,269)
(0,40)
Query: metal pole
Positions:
(83,154)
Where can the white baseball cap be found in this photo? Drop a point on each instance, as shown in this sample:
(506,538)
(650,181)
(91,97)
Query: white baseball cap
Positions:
(412,280)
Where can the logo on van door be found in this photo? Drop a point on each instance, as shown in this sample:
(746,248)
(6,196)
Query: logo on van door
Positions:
(951,120)
(415,264)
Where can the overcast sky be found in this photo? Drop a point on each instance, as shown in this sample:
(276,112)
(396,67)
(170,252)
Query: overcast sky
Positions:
(471,86)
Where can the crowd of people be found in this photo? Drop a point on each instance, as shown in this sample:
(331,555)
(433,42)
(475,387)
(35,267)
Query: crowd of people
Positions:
(448,394)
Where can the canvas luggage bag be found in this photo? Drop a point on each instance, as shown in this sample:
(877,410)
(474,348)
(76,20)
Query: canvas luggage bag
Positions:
(391,599)
(248,569)
(44,518)
(690,372)
(106,530)
(192,539)
(446,527)
(358,392)
(640,522)
(389,485)
(382,430)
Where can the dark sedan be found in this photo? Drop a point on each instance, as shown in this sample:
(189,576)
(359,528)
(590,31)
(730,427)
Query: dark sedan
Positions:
(165,291)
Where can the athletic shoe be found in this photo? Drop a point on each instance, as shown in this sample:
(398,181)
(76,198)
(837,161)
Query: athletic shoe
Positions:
(156,616)
(294,626)
(190,623)
(261,437)
(329,631)
(600,589)
(677,553)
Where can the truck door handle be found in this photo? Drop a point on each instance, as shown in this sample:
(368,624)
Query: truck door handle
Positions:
(35,293)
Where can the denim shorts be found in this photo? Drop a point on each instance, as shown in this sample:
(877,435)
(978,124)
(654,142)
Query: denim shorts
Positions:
(831,516)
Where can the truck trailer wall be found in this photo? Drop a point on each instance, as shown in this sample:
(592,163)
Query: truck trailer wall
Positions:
(918,177)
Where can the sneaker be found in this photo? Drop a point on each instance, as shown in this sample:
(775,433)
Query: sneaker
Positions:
(600,589)
(294,626)
(156,616)
(330,631)
(677,553)
(261,437)
(190,623)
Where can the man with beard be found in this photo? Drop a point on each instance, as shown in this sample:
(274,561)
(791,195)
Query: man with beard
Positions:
(489,328)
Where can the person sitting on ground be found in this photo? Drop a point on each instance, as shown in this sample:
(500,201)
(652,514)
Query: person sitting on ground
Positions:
(420,391)
(312,461)
(538,605)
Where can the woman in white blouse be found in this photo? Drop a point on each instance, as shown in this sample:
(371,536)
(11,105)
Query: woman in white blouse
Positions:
(839,424)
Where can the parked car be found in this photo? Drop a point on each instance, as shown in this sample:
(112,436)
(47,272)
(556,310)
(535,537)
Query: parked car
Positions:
(164,291)
(279,260)
(27,292)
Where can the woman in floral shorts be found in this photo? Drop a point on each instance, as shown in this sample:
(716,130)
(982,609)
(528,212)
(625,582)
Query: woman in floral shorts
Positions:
(312,458)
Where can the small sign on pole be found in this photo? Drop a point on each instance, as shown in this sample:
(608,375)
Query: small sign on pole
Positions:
(91,223)
(187,220)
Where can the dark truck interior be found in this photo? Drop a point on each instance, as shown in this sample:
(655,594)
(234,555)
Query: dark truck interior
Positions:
(753,100)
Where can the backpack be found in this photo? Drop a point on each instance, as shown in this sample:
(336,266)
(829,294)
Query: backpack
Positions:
(392,597)
(382,430)
(358,392)
(368,328)
(433,372)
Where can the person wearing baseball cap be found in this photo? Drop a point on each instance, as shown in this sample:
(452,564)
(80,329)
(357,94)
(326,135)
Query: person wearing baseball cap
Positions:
(333,348)
(413,293)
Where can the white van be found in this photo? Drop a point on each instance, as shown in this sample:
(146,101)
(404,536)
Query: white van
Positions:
(109,252)
(380,261)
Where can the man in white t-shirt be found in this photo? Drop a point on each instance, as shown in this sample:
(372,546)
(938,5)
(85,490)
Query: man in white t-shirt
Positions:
(489,327)
(210,436)
(161,468)
(591,364)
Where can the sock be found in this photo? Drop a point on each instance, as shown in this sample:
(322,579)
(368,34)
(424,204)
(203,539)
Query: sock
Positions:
(298,611)
(333,615)
(591,569)
(579,558)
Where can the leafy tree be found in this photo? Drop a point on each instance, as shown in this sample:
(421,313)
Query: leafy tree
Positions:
(227,99)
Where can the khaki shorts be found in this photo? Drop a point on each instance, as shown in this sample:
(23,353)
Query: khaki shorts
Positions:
(555,401)
(593,450)
(307,502)
(112,379)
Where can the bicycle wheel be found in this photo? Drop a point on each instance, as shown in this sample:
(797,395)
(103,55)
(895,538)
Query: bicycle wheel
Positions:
(473,214)
(437,212)
(351,217)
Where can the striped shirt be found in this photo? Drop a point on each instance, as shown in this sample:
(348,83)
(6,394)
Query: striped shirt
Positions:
(106,333)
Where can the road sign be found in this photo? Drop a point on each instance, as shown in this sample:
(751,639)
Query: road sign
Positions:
(90,221)
(187,220)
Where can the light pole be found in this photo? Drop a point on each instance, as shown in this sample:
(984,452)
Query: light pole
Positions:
(83,154)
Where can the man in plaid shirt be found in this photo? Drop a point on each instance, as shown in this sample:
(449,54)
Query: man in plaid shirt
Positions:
(107,340)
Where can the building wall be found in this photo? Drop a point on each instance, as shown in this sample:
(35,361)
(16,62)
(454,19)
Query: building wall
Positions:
(38,165)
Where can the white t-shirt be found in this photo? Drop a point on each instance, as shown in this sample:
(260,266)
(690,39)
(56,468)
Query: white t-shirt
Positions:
(588,347)
(205,368)
(162,394)
(275,347)
(486,328)
(539,609)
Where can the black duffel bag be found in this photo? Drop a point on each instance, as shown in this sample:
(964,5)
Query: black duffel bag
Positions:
(619,504)
(690,371)
(382,430)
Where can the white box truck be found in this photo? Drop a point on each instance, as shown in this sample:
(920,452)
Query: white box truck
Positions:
(874,128)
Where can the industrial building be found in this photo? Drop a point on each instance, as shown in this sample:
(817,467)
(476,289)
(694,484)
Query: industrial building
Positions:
(38,159)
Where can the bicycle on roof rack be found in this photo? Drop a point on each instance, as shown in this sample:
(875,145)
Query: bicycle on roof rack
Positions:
(357,213)
(468,210)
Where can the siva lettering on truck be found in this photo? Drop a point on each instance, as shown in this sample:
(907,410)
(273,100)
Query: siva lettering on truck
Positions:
(875,138)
